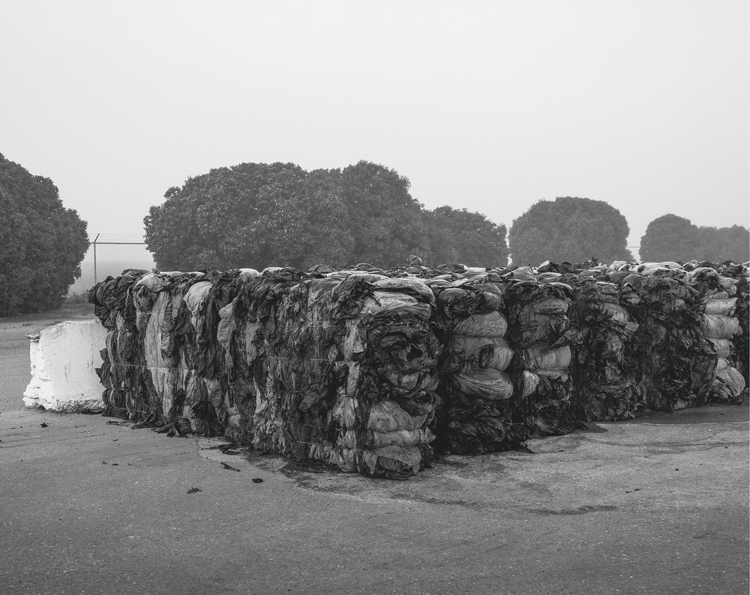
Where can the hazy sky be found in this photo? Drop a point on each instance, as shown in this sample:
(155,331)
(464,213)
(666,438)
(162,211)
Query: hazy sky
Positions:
(491,106)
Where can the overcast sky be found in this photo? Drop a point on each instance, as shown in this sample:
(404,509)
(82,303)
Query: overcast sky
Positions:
(489,106)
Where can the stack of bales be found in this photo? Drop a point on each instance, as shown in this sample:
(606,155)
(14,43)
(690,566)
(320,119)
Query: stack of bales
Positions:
(476,414)
(123,374)
(678,364)
(342,367)
(739,274)
(384,412)
(336,367)
(219,401)
(538,333)
(236,333)
(720,326)
(605,364)
(162,366)
(259,330)
(742,342)
(167,333)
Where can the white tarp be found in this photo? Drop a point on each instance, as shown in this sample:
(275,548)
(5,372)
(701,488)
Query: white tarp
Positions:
(63,362)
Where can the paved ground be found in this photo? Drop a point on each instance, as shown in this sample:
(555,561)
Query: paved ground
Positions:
(89,506)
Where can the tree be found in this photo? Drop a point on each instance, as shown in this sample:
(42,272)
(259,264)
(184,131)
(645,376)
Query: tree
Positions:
(463,237)
(42,243)
(569,229)
(673,238)
(252,214)
(385,221)
(669,238)
(724,243)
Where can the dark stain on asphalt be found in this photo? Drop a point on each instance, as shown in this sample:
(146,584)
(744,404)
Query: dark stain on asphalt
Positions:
(314,484)
(432,500)
(573,511)
(681,447)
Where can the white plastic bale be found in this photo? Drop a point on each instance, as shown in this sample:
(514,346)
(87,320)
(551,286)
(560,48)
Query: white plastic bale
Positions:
(63,362)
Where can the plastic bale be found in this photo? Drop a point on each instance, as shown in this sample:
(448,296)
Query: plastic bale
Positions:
(391,354)
(539,332)
(476,391)
(324,351)
(678,364)
(604,365)
(720,325)
(122,374)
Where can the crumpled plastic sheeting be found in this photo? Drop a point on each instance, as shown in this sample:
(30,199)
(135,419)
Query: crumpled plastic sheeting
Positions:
(226,395)
(159,365)
(742,341)
(476,390)
(720,325)
(123,373)
(605,362)
(678,364)
(539,329)
(342,367)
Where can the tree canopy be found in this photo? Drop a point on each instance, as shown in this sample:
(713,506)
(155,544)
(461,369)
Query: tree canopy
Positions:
(42,243)
(673,238)
(259,215)
(383,218)
(569,229)
(249,215)
(470,238)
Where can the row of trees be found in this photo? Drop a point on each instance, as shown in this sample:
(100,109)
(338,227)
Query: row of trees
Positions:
(676,239)
(42,243)
(279,214)
(576,229)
